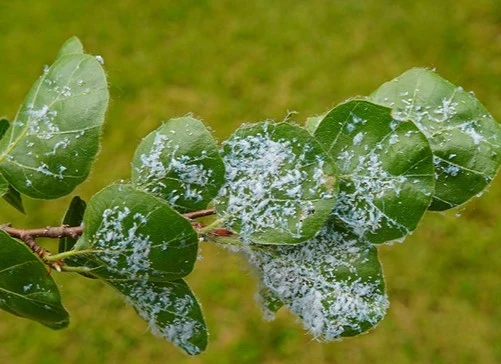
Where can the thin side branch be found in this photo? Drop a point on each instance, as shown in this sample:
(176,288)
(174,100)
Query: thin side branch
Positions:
(57,232)
(28,236)
(47,232)
(201,213)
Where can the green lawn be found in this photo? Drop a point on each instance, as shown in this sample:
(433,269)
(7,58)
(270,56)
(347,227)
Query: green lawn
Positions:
(230,62)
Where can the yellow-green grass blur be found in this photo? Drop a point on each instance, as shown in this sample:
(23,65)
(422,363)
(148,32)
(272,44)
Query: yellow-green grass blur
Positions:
(230,62)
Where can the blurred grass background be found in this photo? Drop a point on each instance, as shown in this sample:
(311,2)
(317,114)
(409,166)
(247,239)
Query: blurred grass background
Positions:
(230,62)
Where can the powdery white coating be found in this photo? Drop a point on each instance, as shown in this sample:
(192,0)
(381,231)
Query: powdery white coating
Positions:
(353,124)
(163,162)
(433,120)
(358,138)
(422,115)
(168,315)
(393,139)
(445,167)
(324,281)
(42,122)
(469,129)
(64,91)
(435,123)
(456,124)
(63,144)
(268,185)
(445,111)
(122,248)
(367,182)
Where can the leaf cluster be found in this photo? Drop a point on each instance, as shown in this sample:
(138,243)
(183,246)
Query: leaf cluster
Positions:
(306,206)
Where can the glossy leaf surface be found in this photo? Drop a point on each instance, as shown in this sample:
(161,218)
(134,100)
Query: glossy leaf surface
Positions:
(280,184)
(131,234)
(465,139)
(170,309)
(180,163)
(386,170)
(50,146)
(26,288)
(333,282)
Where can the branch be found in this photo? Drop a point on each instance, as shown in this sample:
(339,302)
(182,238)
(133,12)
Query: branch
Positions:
(73,231)
(201,213)
(47,232)
(28,236)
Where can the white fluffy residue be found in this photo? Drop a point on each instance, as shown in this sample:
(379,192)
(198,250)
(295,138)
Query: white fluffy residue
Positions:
(445,167)
(354,122)
(469,129)
(427,118)
(42,122)
(325,282)
(123,248)
(368,182)
(169,315)
(270,182)
(357,139)
(431,120)
(163,162)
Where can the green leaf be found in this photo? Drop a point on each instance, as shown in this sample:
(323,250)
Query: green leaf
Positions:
(4,125)
(26,289)
(71,46)
(50,146)
(386,170)
(312,123)
(73,217)
(12,196)
(280,184)
(465,139)
(171,311)
(4,186)
(269,302)
(180,163)
(333,282)
(131,234)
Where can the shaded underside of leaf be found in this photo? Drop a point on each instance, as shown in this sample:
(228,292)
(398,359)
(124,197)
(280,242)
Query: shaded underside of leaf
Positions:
(333,283)
(386,170)
(4,125)
(180,162)
(465,139)
(170,309)
(4,186)
(73,217)
(12,197)
(280,184)
(26,289)
(131,234)
(50,146)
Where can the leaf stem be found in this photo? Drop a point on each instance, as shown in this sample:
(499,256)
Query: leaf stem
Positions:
(66,268)
(224,240)
(211,226)
(69,253)
(201,213)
